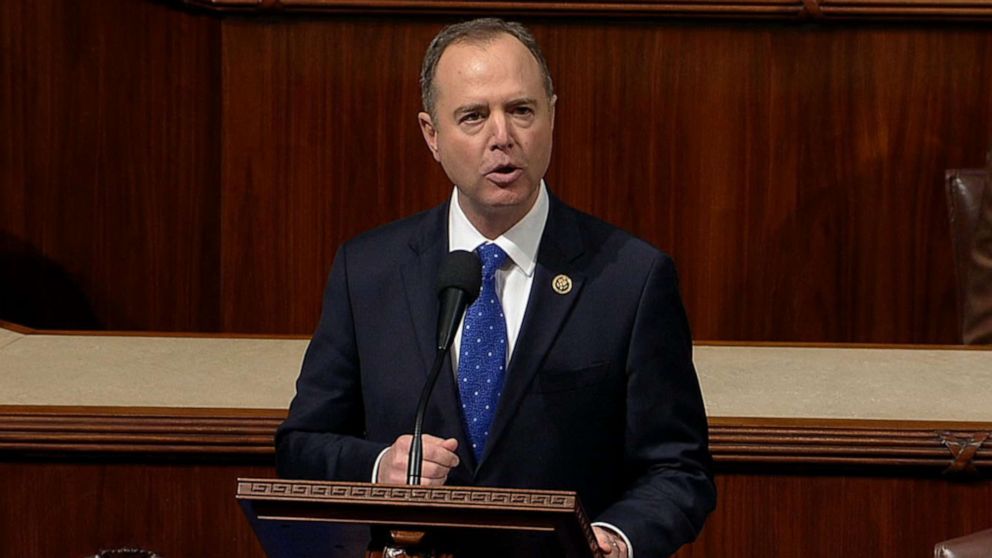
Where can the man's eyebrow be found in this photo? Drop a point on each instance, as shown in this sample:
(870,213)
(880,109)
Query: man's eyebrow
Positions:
(475,107)
(522,101)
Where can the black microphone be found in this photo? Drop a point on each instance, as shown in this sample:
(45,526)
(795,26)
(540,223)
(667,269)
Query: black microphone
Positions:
(459,281)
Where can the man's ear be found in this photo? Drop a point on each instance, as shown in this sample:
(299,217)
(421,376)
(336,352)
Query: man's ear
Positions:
(430,134)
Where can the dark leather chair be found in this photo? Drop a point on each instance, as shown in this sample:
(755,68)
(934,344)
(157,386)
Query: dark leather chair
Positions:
(969,203)
(976,545)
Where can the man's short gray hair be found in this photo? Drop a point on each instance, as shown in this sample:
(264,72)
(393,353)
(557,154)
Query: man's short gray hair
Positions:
(480,30)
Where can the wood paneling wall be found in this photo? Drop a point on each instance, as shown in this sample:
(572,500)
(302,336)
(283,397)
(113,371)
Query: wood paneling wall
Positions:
(782,515)
(196,172)
(75,508)
(108,165)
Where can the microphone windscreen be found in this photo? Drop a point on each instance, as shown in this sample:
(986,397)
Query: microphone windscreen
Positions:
(461,270)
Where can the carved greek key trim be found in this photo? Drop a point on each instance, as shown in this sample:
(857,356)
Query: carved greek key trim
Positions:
(435,496)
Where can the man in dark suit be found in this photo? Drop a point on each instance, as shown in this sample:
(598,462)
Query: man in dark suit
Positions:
(578,373)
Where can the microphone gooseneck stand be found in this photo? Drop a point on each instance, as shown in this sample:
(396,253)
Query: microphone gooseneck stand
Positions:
(459,283)
(413,468)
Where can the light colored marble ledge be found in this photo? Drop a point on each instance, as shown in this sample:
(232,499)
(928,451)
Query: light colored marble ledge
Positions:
(42,369)
(738,381)
(7,337)
(937,384)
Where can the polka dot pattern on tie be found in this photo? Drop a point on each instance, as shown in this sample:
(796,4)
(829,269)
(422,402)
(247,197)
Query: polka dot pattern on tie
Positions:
(482,356)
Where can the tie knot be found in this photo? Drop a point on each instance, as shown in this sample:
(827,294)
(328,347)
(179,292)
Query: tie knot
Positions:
(492,257)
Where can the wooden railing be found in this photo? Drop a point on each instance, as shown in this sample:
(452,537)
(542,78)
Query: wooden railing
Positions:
(818,10)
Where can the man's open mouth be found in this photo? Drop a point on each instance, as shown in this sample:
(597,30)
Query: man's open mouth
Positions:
(504,175)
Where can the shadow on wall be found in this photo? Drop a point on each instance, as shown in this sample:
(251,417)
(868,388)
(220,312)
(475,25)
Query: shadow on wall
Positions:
(36,292)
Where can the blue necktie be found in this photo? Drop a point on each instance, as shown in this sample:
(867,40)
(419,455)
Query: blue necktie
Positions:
(482,357)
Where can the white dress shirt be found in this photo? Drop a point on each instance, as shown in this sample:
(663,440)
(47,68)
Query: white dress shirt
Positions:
(513,281)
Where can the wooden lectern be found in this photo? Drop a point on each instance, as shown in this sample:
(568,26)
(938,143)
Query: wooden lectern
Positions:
(316,518)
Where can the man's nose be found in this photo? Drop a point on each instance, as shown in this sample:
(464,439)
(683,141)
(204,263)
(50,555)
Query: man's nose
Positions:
(501,131)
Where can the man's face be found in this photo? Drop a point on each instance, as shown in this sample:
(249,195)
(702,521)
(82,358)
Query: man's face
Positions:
(492,131)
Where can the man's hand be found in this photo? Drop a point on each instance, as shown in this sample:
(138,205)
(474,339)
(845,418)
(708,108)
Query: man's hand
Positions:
(610,543)
(439,459)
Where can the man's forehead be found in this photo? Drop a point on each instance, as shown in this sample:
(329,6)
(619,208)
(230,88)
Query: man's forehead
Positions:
(503,48)
(469,63)
(483,42)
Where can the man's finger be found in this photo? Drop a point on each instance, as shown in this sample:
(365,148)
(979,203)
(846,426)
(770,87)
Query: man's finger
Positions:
(403,443)
(609,544)
(427,481)
(450,444)
(440,456)
(603,540)
(434,471)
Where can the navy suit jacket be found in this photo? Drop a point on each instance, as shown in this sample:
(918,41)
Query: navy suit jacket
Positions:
(600,394)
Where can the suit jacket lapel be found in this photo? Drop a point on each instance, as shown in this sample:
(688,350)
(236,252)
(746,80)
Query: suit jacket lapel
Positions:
(430,244)
(419,273)
(546,312)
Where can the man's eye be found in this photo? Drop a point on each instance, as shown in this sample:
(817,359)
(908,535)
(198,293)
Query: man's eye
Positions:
(471,117)
(524,111)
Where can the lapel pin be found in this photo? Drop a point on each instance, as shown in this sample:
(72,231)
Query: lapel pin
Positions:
(562,284)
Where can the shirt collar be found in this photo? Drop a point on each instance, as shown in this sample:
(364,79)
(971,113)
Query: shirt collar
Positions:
(520,242)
